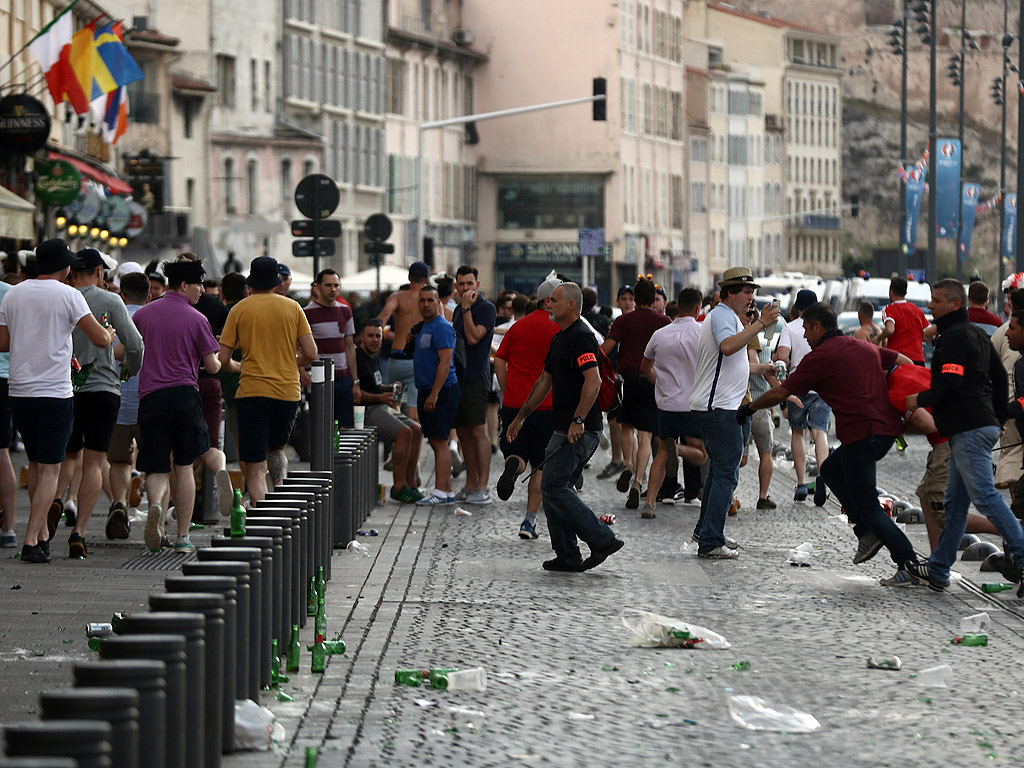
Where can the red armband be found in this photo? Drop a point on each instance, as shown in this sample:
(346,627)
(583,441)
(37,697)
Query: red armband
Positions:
(956,370)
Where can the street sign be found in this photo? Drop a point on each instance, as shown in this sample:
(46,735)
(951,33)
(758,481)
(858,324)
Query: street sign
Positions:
(313,248)
(378,227)
(378,247)
(317,196)
(592,242)
(316,228)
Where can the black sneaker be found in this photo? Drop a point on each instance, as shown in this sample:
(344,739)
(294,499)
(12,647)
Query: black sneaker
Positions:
(598,556)
(766,503)
(820,493)
(560,565)
(45,546)
(34,554)
(53,516)
(578,482)
(76,546)
(867,547)
(507,481)
(633,498)
(919,572)
(622,484)
(801,493)
(118,524)
(1008,569)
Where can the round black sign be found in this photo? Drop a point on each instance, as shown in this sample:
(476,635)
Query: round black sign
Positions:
(378,227)
(316,196)
(24,124)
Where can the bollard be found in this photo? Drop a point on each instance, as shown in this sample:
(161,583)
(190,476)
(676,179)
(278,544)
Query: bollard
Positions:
(85,741)
(326,479)
(276,535)
(308,500)
(250,610)
(300,532)
(261,578)
(329,414)
(236,620)
(322,486)
(284,519)
(317,414)
(146,677)
(191,626)
(38,762)
(169,649)
(117,706)
(344,511)
(211,605)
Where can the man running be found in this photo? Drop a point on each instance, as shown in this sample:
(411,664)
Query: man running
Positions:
(904,323)
(572,377)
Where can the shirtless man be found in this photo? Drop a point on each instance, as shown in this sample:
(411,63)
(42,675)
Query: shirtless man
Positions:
(404,305)
(869,330)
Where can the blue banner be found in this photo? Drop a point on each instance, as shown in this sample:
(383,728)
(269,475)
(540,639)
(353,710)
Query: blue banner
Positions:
(968,210)
(1010,227)
(915,191)
(947,187)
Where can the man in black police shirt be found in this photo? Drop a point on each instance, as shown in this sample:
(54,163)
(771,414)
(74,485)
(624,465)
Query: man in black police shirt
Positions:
(571,374)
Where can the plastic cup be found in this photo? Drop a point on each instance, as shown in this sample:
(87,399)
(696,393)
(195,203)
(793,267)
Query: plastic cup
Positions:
(978,623)
(468,680)
(358,416)
(936,677)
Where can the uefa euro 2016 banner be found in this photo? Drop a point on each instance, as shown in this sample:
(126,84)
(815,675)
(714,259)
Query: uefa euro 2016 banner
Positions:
(947,187)
(1009,226)
(914,179)
(968,211)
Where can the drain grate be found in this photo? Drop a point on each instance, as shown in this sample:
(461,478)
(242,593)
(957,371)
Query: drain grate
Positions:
(164,560)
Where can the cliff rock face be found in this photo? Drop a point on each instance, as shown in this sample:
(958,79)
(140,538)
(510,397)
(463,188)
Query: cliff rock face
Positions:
(871,86)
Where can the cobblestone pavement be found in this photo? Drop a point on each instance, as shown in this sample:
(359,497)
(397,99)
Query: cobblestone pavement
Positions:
(564,685)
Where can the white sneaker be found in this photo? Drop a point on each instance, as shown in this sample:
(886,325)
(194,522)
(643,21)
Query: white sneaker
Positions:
(479,496)
(154,528)
(720,553)
(729,543)
(225,493)
(899,579)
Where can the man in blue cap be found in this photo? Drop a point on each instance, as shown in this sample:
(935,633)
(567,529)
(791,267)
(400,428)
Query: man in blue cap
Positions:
(285,273)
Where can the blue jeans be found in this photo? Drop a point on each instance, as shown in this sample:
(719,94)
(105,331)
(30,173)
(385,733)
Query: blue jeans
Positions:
(723,439)
(568,517)
(850,473)
(971,480)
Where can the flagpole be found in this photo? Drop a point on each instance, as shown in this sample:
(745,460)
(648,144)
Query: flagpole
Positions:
(41,32)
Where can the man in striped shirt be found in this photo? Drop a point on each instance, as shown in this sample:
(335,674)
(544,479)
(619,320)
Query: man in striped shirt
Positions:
(334,333)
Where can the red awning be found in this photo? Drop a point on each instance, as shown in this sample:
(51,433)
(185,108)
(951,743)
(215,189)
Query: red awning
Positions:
(114,184)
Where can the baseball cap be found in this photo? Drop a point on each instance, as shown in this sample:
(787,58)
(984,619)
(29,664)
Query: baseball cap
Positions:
(52,256)
(124,268)
(88,259)
(419,269)
(284,270)
(804,299)
(624,289)
(545,289)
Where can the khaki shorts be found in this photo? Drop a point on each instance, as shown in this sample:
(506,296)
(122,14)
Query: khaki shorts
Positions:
(124,439)
(932,489)
(1008,468)
(387,421)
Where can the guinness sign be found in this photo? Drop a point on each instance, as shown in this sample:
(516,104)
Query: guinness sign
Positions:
(24,124)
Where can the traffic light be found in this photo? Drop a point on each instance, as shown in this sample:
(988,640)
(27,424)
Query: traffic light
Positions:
(854,206)
(600,104)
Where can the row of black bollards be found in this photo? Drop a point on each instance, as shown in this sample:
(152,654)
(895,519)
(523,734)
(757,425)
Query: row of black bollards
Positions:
(164,690)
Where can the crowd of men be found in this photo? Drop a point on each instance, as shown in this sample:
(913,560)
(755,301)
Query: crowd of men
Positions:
(112,375)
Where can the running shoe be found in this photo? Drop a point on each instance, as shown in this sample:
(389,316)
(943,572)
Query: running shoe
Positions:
(622,484)
(820,493)
(118,524)
(801,493)
(766,503)
(462,495)
(34,554)
(920,572)
(70,514)
(434,500)
(528,530)
(154,527)
(76,546)
(480,496)
(53,516)
(184,547)
(729,543)
(720,553)
(648,512)
(633,497)
(899,579)
(135,492)
(507,481)
(405,495)
(225,493)
(867,547)
(8,539)
(613,468)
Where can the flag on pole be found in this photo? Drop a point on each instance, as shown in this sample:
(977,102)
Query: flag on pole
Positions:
(52,49)
(111,111)
(114,57)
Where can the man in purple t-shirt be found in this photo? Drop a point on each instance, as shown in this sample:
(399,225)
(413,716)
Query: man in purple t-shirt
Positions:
(177,338)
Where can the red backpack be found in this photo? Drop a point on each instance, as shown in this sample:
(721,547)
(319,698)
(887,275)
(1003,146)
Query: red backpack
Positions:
(606,395)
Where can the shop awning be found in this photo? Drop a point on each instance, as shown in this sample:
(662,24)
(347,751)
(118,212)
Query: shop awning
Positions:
(114,184)
(17,218)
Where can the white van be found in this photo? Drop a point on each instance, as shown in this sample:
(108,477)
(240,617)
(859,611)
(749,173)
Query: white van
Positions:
(876,290)
(785,287)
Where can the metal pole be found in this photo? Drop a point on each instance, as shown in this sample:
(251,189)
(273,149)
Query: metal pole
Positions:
(1002,151)
(902,257)
(960,197)
(1019,255)
(420,202)
(316,229)
(931,263)
(316,415)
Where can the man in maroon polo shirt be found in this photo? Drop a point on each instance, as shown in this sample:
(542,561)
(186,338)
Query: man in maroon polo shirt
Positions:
(850,375)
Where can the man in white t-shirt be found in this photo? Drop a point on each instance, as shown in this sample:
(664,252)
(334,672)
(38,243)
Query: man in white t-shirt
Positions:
(720,382)
(36,320)
(813,414)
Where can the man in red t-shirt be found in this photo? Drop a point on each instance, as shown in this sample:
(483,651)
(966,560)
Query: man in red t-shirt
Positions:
(639,410)
(518,364)
(904,323)
(334,333)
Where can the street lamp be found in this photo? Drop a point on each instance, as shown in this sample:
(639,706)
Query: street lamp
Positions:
(924,13)
(957,73)
(898,43)
(999,96)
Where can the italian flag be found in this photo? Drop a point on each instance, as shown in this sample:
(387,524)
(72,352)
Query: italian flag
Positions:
(52,49)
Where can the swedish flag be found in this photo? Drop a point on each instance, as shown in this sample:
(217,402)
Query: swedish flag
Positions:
(100,61)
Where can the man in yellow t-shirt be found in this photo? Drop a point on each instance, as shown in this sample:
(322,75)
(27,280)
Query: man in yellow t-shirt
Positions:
(267,328)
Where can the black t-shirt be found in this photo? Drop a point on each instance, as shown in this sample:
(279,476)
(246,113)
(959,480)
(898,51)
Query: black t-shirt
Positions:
(572,351)
(370,380)
(602,323)
(478,356)
(216,313)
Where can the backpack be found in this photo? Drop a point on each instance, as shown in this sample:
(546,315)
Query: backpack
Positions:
(605,395)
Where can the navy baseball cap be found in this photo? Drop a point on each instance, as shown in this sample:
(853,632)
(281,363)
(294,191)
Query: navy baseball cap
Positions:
(624,289)
(284,270)
(419,269)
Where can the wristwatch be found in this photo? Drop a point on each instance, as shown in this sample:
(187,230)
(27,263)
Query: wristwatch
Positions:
(577,420)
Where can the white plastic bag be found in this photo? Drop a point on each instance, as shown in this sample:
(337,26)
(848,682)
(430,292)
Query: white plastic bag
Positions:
(256,728)
(757,714)
(652,630)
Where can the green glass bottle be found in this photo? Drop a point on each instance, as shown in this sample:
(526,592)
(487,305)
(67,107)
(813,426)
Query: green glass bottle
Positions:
(413,677)
(275,665)
(237,516)
(992,588)
(294,651)
(311,597)
(971,640)
(310,757)
(334,646)
(319,659)
(320,633)
(321,584)
(438,678)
